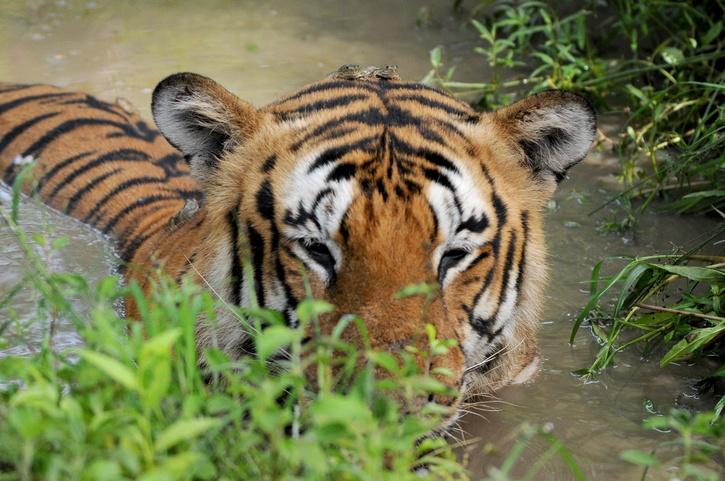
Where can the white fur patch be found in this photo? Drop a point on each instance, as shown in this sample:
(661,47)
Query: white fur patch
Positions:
(528,372)
(325,214)
(571,118)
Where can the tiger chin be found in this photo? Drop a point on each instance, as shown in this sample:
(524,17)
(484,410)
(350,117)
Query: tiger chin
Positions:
(368,183)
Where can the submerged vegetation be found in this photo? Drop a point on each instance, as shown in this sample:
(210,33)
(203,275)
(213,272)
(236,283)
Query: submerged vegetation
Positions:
(692,325)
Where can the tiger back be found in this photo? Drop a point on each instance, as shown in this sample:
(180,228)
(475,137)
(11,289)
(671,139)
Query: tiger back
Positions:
(101,164)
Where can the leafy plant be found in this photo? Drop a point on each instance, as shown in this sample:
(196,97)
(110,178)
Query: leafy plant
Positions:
(139,401)
(695,450)
(657,63)
(690,325)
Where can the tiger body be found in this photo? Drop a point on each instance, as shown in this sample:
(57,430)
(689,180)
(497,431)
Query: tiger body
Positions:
(367,182)
(104,166)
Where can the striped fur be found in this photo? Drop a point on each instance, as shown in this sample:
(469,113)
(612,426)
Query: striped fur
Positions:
(367,183)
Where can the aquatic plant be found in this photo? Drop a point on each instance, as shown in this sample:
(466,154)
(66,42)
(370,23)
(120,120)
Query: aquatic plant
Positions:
(669,306)
(690,325)
(655,64)
(696,452)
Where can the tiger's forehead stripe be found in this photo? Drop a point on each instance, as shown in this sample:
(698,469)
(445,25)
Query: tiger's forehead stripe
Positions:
(393,137)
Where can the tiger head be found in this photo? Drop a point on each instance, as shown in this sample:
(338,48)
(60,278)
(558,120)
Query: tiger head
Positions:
(364,184)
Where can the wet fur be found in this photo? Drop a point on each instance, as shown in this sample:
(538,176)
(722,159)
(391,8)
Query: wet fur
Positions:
(395,154)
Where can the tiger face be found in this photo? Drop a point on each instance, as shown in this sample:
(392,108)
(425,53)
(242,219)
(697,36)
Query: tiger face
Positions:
(370,184)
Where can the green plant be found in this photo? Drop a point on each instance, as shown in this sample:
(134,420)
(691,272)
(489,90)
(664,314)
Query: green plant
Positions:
(692,323)
(695,450)
(139,401)
(135,402)
(656,63)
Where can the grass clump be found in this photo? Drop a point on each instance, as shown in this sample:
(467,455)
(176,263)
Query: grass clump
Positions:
(671,307)
(690,325)
(139,401)
(658,64)
(135,402)
(696,451)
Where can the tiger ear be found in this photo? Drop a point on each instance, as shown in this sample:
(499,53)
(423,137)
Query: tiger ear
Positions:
(552,131)
(202,119)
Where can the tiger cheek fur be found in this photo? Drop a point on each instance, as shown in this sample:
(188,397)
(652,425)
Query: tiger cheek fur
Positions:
(361,185)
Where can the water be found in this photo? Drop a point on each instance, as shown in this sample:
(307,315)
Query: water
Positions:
(263,49)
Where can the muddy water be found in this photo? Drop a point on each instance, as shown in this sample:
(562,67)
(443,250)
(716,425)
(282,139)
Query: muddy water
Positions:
(262,49)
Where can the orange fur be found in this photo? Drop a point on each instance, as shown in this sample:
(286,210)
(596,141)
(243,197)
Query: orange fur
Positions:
(393,150)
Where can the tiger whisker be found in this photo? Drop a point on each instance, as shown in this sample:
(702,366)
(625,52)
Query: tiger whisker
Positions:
(228,306)
(492,356)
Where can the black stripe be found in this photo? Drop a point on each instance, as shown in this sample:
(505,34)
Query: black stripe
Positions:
(329,130)
(483,255)
(474,224)
(119,188)
(342,172)
(290,299)
(269,164)
(411,86)
(500,207)
(493,359)
(435,104)
(331,85)
(522,261)
(136,204)
(336,153)
(90,185)
(440,178)
(343,229)
(318,198)
(325,104)
(265,206)
(508,264)
(236,269)
(184,270)
(116,155)
(265,201)
(19,129)
(436,225)
(435,158)
(128,250)
(413,187)
(70,125)
(58,166)
(400,117)
(93,103)
(24,100)
(484,326)
(371,116)
(256,245)
(172,165)
(480,325)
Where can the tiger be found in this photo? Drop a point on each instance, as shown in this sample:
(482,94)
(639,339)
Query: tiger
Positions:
(352,187)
